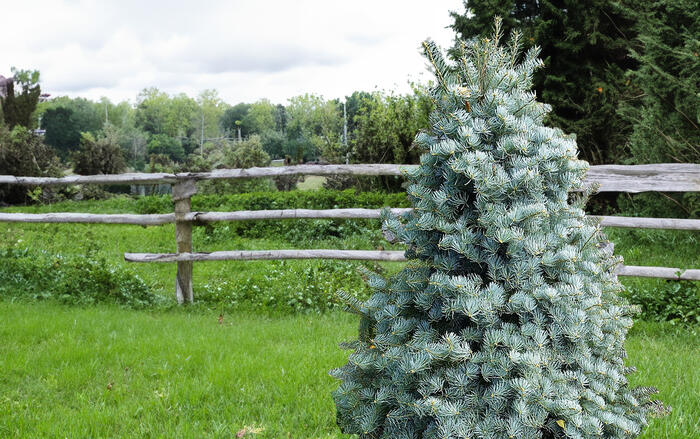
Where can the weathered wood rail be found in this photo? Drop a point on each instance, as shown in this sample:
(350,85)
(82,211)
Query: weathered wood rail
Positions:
(248,215)
(609,178)
(666,177)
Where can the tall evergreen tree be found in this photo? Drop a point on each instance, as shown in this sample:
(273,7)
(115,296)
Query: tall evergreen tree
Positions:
(22,97)
(62,133)
(584,45)
(665,116)
(505,322)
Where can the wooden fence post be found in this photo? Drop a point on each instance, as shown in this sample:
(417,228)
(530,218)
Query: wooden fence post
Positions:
(182,191)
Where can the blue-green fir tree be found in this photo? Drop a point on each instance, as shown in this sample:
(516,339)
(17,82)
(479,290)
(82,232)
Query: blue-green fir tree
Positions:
(505,322)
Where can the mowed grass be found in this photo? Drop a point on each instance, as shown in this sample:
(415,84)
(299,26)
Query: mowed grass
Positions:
(108,372)
(181,374)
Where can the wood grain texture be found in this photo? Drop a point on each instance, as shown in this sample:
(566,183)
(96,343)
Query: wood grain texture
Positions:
(369,255)
(667,177)
(131,178)
(90,218)
(183,237)
(247,215)
(658,272)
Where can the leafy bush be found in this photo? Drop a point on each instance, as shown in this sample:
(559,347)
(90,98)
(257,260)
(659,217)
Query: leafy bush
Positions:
(162,144)
(24,153)
(677,302)
(292,231)
(239,155)
(288,287)
(72,280)
(101,155)
(660,205)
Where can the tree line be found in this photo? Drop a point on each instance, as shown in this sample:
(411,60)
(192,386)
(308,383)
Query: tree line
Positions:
(620,75)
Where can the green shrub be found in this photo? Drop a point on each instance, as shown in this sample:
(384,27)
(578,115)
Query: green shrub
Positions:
(660,205)
(295,231)
(24,153)
(287,287)
(101,155)
(72,280)
(320,199)
(676,301)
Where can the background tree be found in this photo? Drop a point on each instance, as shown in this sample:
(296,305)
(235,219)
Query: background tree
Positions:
(162,144)
(584,45)
(233,154)
(385,126)
(665,110)
(86,115)
(382,130)
(316,126)
(23,153)
(62,133)
(353,104)
(211,108)
(101,155)
(665,116)
(232,115)
(159,113)
(23,93)
(280,118)
(260,117)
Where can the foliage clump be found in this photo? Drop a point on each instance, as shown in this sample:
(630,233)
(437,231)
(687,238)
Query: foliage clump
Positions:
(101,155)
(506,322)
(76,280)
(24,153)
(584,44)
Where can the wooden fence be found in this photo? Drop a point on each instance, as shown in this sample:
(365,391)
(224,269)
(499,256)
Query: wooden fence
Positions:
(611,178)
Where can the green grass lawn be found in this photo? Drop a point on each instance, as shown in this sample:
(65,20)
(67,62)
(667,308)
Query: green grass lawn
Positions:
(108,372)
(110,242)
(311,182)
(177,373)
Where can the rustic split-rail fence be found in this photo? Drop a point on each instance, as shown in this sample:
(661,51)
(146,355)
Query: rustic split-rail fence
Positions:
(609,178)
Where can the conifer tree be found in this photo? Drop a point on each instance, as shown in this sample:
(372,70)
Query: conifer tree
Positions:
(505,322)
(666,114)
(584,44)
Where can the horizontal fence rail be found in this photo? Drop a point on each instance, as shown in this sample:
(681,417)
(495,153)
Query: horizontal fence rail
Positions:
(367,255)
(665,177)
(248,215)
(608,178)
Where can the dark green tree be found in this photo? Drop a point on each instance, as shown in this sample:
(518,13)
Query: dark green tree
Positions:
(665,109)
(584,45)
(228,120)
(280,118)
(384,127)
(101,155)
(24,153)
(22,97)
(162,144)
(62,133)
(506,322)
(665,116)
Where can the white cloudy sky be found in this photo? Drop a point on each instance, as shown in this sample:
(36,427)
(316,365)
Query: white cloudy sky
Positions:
(247,50)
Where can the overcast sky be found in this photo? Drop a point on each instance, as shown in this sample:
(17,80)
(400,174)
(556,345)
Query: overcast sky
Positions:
(247,50)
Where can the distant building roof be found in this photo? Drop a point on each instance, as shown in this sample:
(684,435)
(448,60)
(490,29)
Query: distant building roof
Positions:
(3,85)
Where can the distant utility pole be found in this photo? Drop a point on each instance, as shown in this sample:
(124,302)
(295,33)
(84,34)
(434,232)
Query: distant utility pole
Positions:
(345,133)
(201,139)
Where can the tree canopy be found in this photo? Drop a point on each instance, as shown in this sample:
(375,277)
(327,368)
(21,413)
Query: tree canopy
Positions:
(585,47)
